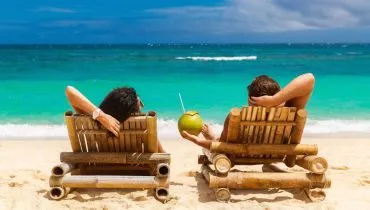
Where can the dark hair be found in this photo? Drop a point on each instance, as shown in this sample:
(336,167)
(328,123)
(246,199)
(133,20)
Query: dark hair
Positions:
(263,85)
(120,103)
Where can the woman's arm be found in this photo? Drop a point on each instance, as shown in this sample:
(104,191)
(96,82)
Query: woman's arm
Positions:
(82,105)
(295,94)
(197,140)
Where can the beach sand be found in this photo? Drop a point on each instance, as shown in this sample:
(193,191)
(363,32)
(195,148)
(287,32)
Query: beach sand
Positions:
(25,168)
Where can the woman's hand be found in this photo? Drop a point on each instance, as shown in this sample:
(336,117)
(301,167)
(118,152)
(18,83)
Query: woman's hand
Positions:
(109,123)
(197,140)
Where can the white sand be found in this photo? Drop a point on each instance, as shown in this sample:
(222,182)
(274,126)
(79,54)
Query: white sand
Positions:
(25,167)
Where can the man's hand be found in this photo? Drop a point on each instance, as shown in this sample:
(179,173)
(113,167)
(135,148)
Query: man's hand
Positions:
(266,101)
(109,123)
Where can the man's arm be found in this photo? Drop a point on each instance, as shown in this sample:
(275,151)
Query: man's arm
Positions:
(295,94)
(82,105)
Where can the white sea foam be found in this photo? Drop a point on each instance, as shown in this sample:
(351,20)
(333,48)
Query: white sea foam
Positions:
(219,58)
(167,129)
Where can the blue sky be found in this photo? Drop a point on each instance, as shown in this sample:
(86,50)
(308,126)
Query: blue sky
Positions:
(184,21)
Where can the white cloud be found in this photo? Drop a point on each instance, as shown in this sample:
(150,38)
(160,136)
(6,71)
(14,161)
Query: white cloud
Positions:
(54,9)
(243,16)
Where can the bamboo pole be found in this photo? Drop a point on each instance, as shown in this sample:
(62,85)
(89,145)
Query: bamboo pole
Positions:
(222,194)
(272,168)
(296,136)
(69,119)
(238,180)
(121,158)
(221,162)
(147,182)
(313,163)
(202,159)
(62,169)
(233,125)
(255,149)
(152,134)
(315,195)
(55,181)
(163,170)
(57,193)
(122,170)
(162,194)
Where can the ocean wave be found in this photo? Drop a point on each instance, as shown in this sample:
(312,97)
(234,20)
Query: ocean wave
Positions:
(220,58)
(167,129)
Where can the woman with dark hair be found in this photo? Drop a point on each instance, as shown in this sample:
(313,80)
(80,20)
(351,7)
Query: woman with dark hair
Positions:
(116,107)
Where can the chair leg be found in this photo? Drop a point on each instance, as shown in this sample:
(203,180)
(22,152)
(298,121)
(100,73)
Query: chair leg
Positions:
(223,194)
(315,195)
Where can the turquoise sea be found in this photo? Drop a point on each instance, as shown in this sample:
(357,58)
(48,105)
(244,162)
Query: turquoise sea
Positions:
(211,78)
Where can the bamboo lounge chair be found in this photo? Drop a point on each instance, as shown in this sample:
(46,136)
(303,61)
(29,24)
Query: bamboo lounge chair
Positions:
(100,160)
(259,135)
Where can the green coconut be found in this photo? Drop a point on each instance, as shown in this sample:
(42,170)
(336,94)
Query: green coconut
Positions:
(190,122)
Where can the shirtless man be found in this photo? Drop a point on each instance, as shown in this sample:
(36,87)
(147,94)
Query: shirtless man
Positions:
(116,107)
(264,91)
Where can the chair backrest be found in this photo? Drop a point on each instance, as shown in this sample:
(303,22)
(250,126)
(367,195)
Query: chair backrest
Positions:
(137,134)
(261,125)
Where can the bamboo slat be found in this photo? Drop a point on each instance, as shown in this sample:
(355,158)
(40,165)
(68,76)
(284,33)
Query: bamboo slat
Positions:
(116,144)
(152,134)
(233,126)
(81,137)
(288,128)
(246,128)
(110,143)
(256,149)
(101,131)
(257,128)
(296,135)
(280,129)
(122,141)
(262,128)
(105,143)
(126,126)
(118,158)
(270,118)
(256,180)
(138,137)
(92,147)
(98,138)
(133,136)
(84,121)
(251,127)
(242,127)
(144,137)
(70,122)
(146,182)
(274,128)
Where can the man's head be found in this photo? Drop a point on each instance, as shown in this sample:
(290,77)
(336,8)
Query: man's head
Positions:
(120,103)
(263,85)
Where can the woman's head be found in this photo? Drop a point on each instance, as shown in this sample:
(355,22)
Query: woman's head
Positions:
(121,102)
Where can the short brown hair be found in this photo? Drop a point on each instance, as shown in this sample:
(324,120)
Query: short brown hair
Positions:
(263,85)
